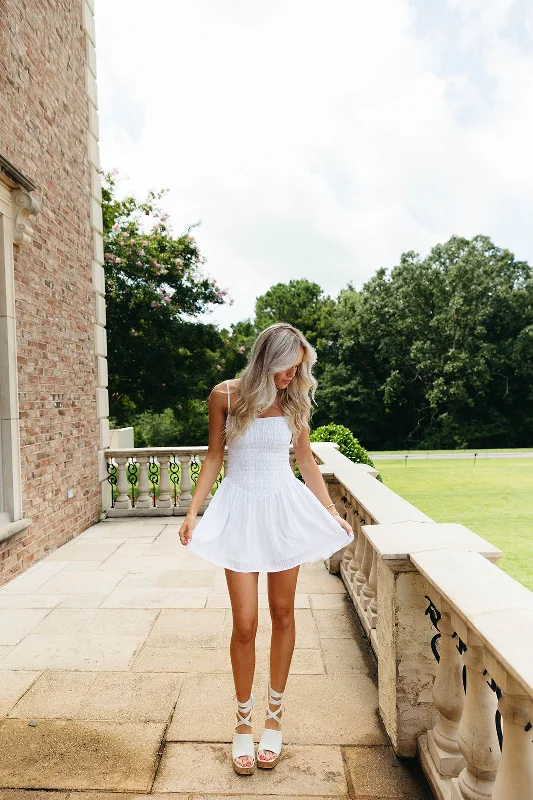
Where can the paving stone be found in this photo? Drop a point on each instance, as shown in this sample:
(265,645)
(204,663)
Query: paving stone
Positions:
(32,579)
(89,550)
(32,794)
(309,700)
(313,582)
(13,685)
(136,531)
(4,650)
(122,621)
(141,562)
(16,623)
(94,581)
(72,754)
(54,695)
(81,600)
(330,601)
(194,561)
(64,620)
(131,697)
(377,773)
(168,578)
(348,657)
(184,659)
(79,651)
(337,624)
(82,566)
(30,600)
(301,770)
(182,597)
(187,628)
(249,796)
(127,796)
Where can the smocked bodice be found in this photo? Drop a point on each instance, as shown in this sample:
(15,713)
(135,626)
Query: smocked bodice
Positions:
(259,460)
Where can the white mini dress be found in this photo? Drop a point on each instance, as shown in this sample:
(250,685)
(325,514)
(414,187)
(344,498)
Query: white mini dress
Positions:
(262,518)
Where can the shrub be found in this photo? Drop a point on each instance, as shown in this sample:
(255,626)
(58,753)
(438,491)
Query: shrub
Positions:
(349,446)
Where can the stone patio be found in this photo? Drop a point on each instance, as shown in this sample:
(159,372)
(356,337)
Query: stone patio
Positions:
(115,677)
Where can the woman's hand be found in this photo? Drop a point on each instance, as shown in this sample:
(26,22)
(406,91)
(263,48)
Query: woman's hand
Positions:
(187,527)
(344,524)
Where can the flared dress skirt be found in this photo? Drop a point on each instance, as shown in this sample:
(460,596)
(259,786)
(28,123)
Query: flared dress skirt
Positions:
(262,518)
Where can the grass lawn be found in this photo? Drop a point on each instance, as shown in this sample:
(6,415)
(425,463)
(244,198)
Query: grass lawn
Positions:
(494,499)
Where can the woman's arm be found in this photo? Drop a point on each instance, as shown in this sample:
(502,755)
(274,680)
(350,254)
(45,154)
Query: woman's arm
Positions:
(313,477)
(212,463)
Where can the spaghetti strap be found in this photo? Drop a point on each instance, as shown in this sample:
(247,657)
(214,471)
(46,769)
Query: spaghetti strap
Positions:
(227,385)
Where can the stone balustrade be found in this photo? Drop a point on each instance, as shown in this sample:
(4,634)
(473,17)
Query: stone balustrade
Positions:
(453,635)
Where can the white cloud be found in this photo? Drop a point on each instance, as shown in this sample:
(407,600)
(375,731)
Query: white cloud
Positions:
(321,139)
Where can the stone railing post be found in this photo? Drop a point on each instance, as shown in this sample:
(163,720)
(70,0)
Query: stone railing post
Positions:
(514,780)
(478,739)
(449,699)
(406,664)
(164,500)
(185,482)
(363,573)
(143,500)
(123,500)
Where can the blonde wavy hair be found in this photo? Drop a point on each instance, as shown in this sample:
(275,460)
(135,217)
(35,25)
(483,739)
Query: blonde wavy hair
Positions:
(276,349)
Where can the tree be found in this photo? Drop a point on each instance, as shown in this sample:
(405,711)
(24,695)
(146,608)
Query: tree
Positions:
(299,302)
(159,356)
(438,353)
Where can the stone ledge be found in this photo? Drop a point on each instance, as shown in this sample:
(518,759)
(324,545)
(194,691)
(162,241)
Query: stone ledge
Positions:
(11,528)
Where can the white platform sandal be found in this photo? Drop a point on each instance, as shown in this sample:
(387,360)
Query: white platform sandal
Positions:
(243,743)
(271,739)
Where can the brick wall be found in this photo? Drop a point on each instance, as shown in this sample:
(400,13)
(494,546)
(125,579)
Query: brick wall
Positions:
(44,119)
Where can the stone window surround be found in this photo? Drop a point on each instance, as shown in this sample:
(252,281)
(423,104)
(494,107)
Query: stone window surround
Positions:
(16,204)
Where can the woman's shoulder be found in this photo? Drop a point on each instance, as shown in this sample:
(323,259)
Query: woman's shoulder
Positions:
(222,387)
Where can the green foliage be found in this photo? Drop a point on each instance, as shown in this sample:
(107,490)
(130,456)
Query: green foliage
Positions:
(299,302)
(349,446)
(173,427)
(437,354)
(158,356)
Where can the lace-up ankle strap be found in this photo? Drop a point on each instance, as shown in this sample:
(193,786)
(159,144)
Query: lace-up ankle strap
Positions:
(246,709)
(275,699)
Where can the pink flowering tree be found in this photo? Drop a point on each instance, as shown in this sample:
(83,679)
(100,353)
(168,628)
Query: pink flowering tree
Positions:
(159,355)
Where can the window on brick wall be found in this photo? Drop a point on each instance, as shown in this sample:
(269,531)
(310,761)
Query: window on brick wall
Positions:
(10,488)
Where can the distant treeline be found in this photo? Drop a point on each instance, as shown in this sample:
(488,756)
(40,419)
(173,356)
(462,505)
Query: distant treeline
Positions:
(435,353)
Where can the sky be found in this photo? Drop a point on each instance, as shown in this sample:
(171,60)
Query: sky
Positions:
(320,139)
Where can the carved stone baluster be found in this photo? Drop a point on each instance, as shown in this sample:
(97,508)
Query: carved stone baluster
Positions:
(477,732)
(122,501)
(225,463)
(356,562)
(164,499)
(514,780)
(363,573)
(372,608)
(449,699)
(185,482)
(347,556)
(144,500)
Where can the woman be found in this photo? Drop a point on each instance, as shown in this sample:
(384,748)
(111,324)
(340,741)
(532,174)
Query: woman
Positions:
(262,518)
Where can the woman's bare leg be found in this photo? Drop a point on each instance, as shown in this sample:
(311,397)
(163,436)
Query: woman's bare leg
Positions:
(242,587)
(281,591)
